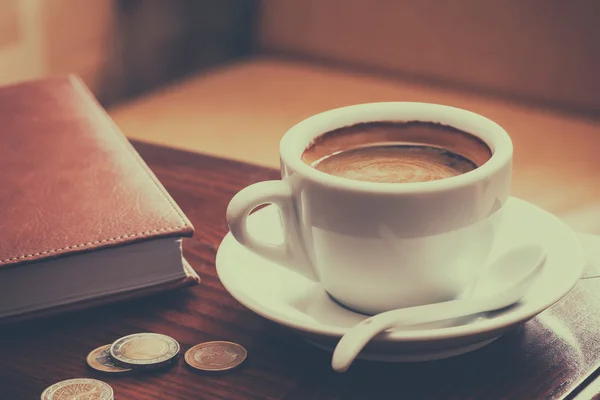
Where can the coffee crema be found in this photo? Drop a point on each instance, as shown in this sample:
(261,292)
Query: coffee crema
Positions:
(396,152)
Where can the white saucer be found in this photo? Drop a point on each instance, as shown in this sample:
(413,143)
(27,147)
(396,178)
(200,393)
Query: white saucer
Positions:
(303,306)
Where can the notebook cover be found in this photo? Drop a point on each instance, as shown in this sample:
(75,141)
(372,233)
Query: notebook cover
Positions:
(70,181)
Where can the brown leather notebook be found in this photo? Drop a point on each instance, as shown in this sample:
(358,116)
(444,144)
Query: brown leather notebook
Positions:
(83,220)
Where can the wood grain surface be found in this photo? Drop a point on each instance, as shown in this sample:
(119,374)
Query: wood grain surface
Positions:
(547,358)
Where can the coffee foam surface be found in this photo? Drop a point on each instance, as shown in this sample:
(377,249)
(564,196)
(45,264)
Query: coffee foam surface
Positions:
(395,164)
(396,152)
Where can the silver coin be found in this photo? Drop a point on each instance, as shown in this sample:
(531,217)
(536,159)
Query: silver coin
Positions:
(144,350)
(99,359)
(80,389)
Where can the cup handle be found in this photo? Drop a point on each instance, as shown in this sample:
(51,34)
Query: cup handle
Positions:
(290,253)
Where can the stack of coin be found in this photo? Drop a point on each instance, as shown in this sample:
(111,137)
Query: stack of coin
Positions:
(144,351)
(140,351)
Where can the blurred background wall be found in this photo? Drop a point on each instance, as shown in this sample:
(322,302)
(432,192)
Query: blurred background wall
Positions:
(121,48)
(540,51)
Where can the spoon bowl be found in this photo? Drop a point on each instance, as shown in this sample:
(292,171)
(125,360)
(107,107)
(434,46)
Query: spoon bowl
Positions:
(501,284)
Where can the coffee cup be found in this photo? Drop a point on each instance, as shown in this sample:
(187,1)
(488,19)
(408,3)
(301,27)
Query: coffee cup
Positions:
(376,245)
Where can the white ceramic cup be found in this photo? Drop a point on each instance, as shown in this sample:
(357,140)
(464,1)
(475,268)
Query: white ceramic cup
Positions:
(381,246)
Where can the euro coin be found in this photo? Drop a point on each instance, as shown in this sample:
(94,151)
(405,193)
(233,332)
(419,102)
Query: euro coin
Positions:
(144,351)
(215,356)
(79,388)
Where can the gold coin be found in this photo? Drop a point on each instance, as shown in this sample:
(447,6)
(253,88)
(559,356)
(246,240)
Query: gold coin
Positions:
(144,350)
(80,389)
(215,356)
(99,359)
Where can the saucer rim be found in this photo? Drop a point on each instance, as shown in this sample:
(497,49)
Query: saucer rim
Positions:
(511,318)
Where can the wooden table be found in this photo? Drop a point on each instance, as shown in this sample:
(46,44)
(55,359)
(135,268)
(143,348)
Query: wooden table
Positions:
(551,357)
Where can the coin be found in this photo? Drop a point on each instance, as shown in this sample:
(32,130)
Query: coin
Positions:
(99,359)
(80,389)
(215,356)
(144,350)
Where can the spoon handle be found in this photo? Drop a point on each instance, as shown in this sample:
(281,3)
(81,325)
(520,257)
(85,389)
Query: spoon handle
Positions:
(358,336)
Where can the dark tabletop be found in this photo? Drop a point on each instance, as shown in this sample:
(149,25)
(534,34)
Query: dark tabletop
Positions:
(551,357)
